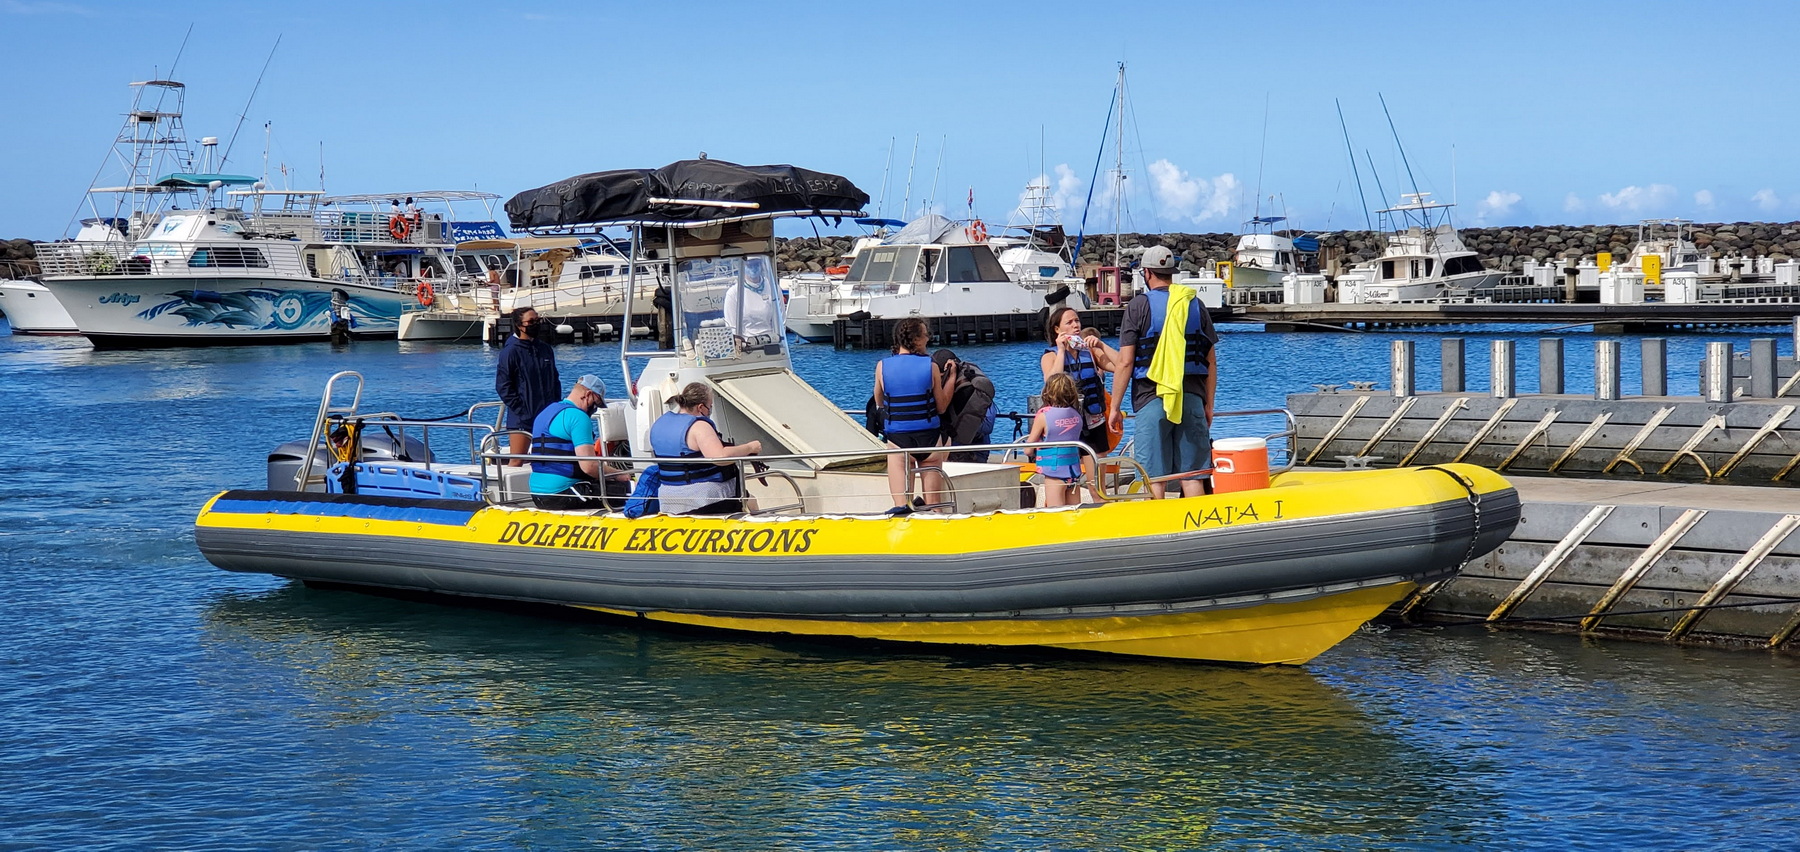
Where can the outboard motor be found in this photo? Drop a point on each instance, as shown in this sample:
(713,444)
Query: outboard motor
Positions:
(285,460)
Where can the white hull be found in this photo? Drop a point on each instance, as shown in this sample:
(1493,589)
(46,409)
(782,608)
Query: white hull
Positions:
(31,309)
(587,299)
(170,310)
(441,325)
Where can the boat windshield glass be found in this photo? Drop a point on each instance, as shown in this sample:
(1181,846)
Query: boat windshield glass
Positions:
(882,264)
(730,309)
(963,264)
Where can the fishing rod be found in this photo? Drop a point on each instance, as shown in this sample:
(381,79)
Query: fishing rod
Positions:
(246,113)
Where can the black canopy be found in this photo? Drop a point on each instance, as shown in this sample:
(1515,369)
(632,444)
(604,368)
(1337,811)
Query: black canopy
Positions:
(624,194)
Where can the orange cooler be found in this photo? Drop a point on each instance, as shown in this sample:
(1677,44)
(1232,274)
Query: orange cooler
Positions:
(1240,464)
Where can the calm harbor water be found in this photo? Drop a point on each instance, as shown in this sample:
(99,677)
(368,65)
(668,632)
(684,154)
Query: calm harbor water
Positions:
(155,702)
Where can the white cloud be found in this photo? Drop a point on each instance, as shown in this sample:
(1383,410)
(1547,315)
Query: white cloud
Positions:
(1182,196)
(1497,203)
(1766,199)
(1572,203)
(1640,199)
(1704,199)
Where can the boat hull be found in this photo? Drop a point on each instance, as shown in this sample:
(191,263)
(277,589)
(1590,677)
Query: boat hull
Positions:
(1273,576)
(31,309)
(127,311)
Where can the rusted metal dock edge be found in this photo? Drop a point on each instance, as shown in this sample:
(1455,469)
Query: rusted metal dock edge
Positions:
(1711,564)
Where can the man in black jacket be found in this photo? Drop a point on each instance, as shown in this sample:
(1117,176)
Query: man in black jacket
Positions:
(526,379)
(969,419)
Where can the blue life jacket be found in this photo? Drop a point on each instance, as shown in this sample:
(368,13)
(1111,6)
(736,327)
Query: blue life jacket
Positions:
(1081,367)
(545,444)
(643,500)
(1060,462)
(668,440)
(1199,343)
(906,393)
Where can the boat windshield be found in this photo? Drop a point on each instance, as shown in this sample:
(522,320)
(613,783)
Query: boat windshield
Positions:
(730,309)
(881,264)
(964,264)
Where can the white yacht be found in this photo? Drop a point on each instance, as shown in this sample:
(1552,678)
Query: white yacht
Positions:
(1424,259)
(558,276)
(245,263)
(30,309)
(933,267)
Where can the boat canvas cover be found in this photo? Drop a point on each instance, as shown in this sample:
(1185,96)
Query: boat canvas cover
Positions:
(624,194)
(930,229)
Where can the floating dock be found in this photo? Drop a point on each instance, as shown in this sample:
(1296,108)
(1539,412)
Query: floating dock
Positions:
(1651,516)
(1652,316)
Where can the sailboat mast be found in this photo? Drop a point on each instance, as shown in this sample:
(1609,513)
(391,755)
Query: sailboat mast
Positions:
(1119,172)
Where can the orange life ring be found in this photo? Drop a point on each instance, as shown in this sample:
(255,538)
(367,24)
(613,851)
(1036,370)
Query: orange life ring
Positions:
(400,227)
(977,231)
(426,294)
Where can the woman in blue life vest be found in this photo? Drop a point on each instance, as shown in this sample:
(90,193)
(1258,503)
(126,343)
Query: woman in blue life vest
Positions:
(913,394)
(697,487)
(1086,359)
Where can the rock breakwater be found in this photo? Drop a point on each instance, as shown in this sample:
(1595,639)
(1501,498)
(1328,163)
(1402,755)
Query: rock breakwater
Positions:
(1500,248)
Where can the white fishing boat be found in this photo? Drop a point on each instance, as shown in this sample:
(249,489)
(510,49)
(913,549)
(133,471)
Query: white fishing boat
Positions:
(245,263)
(559,277)
(1424,259)
(933,267)
(31,309)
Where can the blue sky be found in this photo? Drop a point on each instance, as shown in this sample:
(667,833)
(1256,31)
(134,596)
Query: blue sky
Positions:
(1526,112)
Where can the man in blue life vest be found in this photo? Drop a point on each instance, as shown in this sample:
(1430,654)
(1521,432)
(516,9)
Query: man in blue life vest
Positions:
(566,430)
(1169,341)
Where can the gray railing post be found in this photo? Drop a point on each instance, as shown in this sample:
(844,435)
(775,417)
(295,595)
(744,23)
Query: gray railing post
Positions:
(1716,378)
(1550,365)
(1606,369)
(1403,368)
(1503,369)
(1655,369)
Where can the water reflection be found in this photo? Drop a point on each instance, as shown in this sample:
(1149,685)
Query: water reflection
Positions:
(686,741)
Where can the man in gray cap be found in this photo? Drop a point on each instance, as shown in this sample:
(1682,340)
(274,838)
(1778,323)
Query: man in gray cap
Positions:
(1173,395)
(566,429)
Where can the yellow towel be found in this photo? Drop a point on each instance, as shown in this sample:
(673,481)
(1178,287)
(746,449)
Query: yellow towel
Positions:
(1168,366)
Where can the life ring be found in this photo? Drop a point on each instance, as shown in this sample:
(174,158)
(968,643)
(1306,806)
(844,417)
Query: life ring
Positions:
(977,231)
(426,294)
(399,226)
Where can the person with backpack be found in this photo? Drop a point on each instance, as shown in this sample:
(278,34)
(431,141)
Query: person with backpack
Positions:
(969,419)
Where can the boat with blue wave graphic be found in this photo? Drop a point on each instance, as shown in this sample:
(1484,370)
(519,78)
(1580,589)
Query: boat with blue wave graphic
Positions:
(244,263)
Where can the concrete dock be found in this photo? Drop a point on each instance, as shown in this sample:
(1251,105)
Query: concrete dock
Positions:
(1667,561)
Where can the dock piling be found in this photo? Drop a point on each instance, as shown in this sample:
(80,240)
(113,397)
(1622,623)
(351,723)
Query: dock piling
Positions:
(1606,369)
(1715,380)
(1655,370)
(1762,368)
(1403,368)
(1453,361)
(1503,368)
(1550,365)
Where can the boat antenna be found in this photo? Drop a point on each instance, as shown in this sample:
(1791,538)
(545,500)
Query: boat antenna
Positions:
(321,165)
(268,130)
(886,169)
(942,144)
(1095,177)
(1262,156)
(246,113)
(1390,120)
(906,205)
(1367,222)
